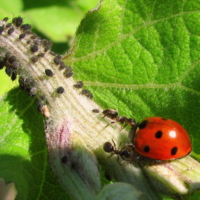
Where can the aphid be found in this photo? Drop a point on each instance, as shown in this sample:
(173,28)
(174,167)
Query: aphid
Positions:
(41,54)
(60,90)
(9,71)
(1,29)
(13,75)
(22,35)
(52,53)
(26,27)
(78,84)
(48,72)
(62,65)
(47,48)
(8,25)
(56,60)
(5,19)
(68,72)
(17,21)
(34,59)
(34,48)
(95,110)
(33,36)
(87,93)
(15,65)
(11,59)
(10,31)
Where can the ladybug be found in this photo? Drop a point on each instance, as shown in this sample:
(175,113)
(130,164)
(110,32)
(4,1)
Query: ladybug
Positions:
(160,139)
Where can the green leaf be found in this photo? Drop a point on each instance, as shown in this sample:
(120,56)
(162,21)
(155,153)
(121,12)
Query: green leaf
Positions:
(24,156)
(142,58)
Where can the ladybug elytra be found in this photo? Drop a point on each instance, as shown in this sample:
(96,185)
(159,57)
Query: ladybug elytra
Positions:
(161,139)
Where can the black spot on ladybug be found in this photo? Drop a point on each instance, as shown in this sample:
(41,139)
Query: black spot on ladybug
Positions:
(48,72)
(17,21)
(163,118)
(95,110)
(34,48)
(174,150)
(79,84)
(87,93)
(1,29)
(64,159)
(5,19)
(146,148)
(26,27)
(143,124)
(34,59)
(68,72)
(10,31)
(8,25)
(22,35)
(158,134)
(60,90)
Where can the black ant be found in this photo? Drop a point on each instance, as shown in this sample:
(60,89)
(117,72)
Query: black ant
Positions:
(113,114)
(125,153)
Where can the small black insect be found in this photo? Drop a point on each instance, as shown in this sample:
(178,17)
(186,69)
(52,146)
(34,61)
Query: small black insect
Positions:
(10,31)
(26,27)
(60,90)
(87,93)
(17,21)
(62,65)
(79,84)
(34,48)
(41,54)
(95,110)
(34,59)
(13,75)
(68,72)
(47,48)
(5,19)
(8,25)
(1,29)
(57,60)
(48,72)
(22,35)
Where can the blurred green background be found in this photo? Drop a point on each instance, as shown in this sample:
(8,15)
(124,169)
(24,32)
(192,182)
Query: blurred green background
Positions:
(51,19)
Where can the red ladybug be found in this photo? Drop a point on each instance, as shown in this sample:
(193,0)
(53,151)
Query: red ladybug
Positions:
(161,139)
